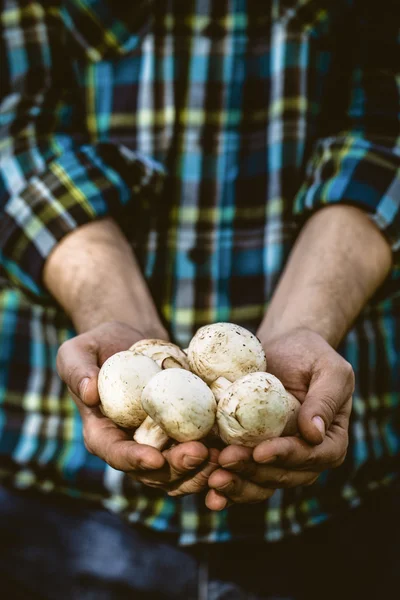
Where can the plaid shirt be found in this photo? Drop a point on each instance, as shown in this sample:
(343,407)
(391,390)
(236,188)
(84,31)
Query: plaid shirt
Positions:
(209,131)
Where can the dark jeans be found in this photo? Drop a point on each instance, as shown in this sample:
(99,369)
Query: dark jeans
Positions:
(52,548)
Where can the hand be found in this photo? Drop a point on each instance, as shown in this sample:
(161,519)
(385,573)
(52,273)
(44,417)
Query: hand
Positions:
(323,381)
(183,469)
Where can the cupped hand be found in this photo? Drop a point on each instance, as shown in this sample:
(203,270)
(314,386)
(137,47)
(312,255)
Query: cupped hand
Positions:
(323,382)
(180,470)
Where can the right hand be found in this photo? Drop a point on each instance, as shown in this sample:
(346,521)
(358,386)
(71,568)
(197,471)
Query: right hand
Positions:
(183,469)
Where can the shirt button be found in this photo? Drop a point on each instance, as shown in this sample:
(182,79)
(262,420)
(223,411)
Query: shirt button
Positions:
(198,256)
(214,30)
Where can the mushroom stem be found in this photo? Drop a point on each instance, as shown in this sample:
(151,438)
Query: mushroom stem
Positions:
(151,434)
(170,363)
(219,386)
(165,354)
(291,424)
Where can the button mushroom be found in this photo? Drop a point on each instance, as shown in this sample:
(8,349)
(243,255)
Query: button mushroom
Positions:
(165,354)
(180,405)
(225,350)
(254,408)
(121,381)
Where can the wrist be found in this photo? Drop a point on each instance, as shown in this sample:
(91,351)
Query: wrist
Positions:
(94,276)
(332,330)
(86,317)
(338,261)
(138,332)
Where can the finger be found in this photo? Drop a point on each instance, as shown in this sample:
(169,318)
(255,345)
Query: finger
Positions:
(78,368)
(180,461)
(216,501)
(238,490)
(186,457)
(273,477)
(110,443)
(330,389)
(193,484)
(232,455)
(295,453)
(239,460)
(79,359)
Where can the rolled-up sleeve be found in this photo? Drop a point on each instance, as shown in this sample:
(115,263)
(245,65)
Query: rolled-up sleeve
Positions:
(51,179)
(79,186)
(361,164)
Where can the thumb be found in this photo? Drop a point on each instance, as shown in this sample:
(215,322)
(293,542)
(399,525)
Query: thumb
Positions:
(326,395)
(78,368)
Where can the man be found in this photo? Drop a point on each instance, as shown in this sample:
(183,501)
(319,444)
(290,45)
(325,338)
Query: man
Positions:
(248,154)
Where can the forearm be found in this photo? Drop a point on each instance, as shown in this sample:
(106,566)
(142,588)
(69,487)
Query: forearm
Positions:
(338,262)
(94,276)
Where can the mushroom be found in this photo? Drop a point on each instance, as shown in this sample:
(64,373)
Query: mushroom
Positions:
(165,354)
(180,406)
(254,408)
(225,350)
(121,381)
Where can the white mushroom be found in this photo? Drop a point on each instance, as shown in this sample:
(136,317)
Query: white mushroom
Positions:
(225,350)
(180,405)
(151,434)
(254,408)
(121,381)
(291,423)
(165,354)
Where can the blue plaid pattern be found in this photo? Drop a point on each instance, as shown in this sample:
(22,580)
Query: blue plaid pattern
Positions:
(210,131)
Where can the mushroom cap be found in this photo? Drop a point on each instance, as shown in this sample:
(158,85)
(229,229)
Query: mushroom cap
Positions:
(122,379)
(291,427)
(225,350)
(254,408)
(159,350)
(181,403)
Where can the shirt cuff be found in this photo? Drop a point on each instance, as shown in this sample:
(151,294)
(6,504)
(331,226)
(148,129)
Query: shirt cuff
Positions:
(356,171)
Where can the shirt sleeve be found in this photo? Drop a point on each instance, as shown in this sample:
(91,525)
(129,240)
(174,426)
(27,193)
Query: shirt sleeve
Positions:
(51,179)
(361,164)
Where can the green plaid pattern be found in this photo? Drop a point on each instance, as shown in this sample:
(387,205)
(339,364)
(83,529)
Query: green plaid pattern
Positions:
(210,130)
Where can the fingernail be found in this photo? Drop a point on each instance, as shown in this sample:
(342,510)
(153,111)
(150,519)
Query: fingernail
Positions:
(226,486)
(147,466)
(269,459)
(319,424)
(83,387)
(237,464)
(189,462)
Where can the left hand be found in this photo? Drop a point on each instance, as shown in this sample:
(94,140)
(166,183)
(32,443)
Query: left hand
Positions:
(323,382)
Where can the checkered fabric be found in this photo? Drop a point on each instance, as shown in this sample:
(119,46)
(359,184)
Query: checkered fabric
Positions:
(210,130)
